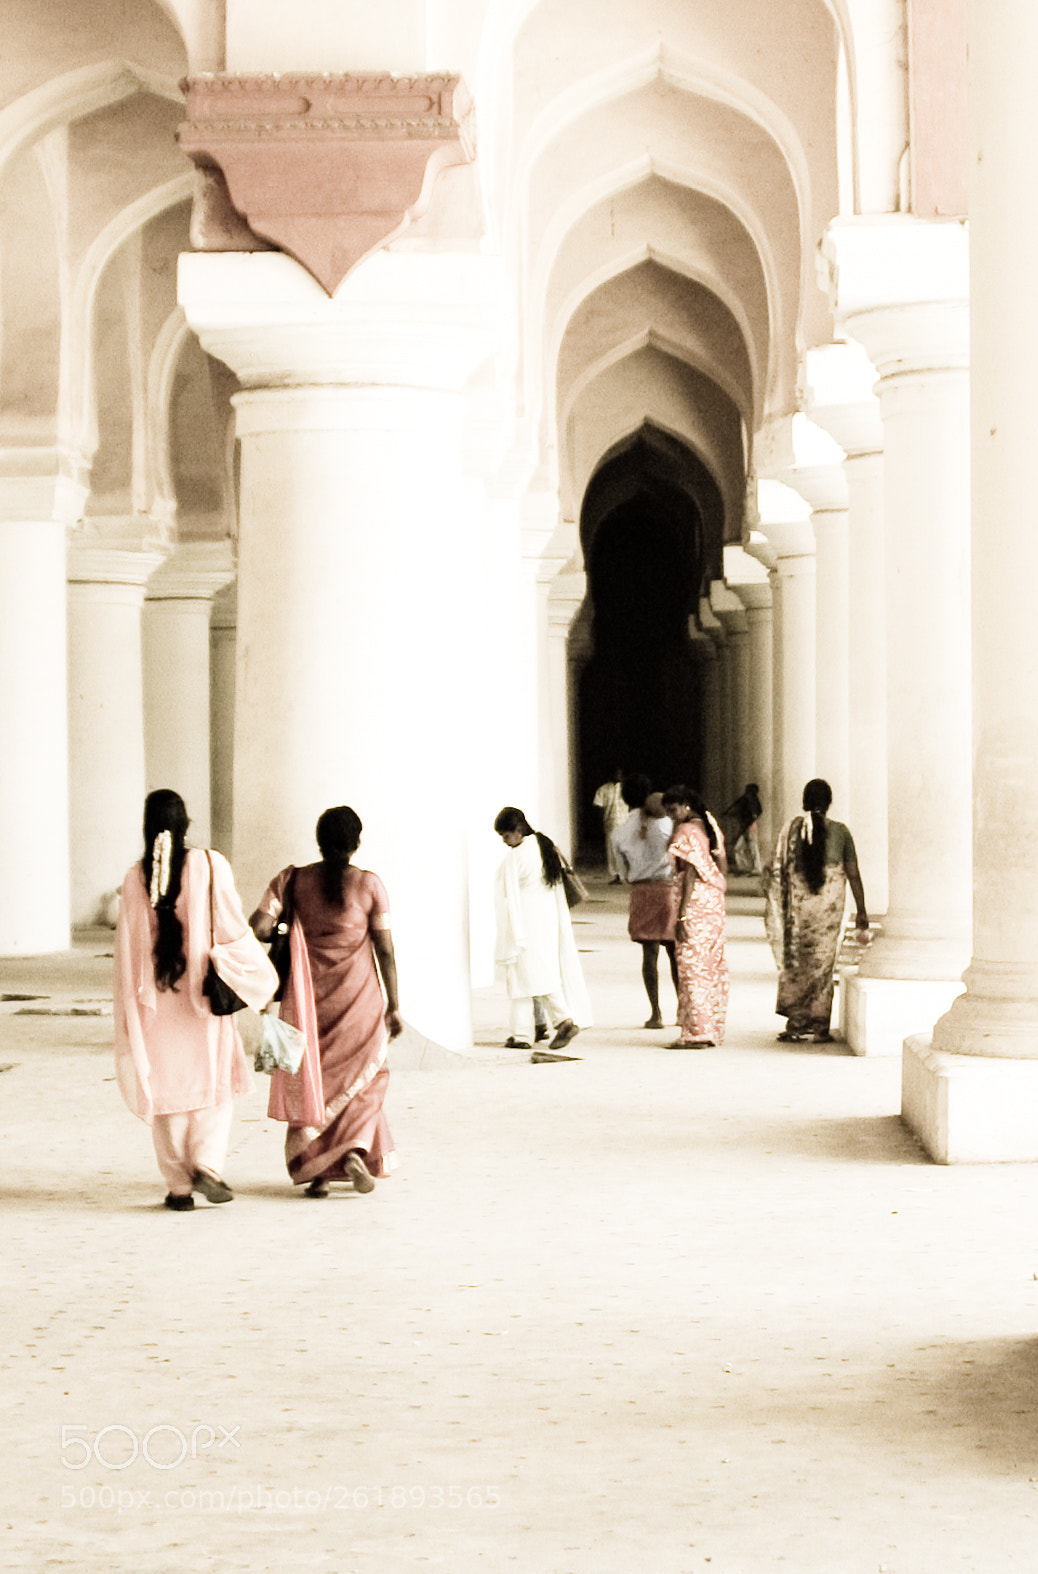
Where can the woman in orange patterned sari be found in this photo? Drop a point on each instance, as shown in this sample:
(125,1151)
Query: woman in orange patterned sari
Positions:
(697,848)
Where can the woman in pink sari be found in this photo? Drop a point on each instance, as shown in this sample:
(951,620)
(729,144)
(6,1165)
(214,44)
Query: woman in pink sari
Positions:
(340,929)
(697,848)
(178,1066)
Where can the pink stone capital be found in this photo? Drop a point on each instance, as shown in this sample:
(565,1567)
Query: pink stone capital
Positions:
(328,168)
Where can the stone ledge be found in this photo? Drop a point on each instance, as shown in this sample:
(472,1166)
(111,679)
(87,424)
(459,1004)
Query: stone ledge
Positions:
(969,1109)
(878,1014)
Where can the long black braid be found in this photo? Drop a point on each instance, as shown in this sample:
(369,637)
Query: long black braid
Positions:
(818,795)
(165,811)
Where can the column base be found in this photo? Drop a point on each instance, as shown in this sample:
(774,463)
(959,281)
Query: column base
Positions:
(969,1109)
(877,1014)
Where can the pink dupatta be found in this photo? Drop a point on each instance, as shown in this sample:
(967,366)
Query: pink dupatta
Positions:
(298,1097)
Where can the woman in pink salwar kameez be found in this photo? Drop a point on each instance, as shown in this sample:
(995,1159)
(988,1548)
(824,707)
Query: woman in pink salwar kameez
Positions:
(178,1066)
(697,848)
(340,926)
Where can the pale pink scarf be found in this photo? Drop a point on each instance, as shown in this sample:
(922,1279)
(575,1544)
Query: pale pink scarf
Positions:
(298,1097)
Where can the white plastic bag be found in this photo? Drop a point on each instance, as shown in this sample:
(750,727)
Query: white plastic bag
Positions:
(281,1047)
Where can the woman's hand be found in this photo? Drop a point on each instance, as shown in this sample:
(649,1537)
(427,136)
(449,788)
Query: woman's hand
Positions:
(394,1022)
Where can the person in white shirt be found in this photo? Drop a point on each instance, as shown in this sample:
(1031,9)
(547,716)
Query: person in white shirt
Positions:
(640,850)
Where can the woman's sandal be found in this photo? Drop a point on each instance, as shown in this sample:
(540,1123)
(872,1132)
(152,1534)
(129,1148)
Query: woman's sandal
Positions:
(317,1188)
(212,1186)
(357,1171)
(178,1204)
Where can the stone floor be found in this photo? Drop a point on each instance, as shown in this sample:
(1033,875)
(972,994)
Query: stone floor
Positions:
(643,1310)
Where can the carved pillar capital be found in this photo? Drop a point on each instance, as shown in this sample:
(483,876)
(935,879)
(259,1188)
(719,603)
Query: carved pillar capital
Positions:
(328,168)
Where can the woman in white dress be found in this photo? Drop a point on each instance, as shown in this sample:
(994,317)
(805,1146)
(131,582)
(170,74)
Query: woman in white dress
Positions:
(535,937)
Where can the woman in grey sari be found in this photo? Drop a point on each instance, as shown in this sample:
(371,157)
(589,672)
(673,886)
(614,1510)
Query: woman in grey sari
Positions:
(805,887)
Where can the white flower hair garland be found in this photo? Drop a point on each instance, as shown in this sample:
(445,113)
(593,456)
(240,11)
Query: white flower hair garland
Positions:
(161,851)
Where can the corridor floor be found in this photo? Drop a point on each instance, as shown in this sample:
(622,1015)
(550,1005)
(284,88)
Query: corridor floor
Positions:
(643,1310)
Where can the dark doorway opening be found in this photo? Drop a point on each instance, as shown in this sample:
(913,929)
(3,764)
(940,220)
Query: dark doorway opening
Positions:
(645,531)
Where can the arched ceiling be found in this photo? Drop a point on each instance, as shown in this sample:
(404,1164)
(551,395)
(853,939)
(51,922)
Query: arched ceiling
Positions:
(662,176)
(96,194)
(648,458)
(691,235)
(44,39)
(646,382)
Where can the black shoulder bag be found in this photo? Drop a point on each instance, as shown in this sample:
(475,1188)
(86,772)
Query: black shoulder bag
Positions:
(223,1001)
(281,940)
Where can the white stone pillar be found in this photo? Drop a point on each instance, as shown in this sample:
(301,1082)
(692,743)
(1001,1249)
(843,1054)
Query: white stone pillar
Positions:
(792,549)
(900,288)
(867,702)
(353,594)
(722,791)
(177,675)
(816,475)
(579,650)
(545,555)
(564,602)
(737,629)
(747,571)
(34,805)
(106,719)
(793,588)
(974,1094)
(223,624)
(841,401)
(759,727)
(494,616)
(711,633)
(731,614)
(832,654)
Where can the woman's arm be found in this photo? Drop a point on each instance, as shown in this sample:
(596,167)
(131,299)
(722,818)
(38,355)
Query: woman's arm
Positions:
(263,922)
(382,940)
(850,869)
(688,877)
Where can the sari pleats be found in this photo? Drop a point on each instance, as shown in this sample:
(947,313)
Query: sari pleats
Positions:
(702,969)
(340,990)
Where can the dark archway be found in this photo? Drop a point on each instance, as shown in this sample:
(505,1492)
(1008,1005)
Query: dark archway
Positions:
(651,532)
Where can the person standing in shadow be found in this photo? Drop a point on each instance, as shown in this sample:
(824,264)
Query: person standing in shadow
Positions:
(742,817)
(610,799)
